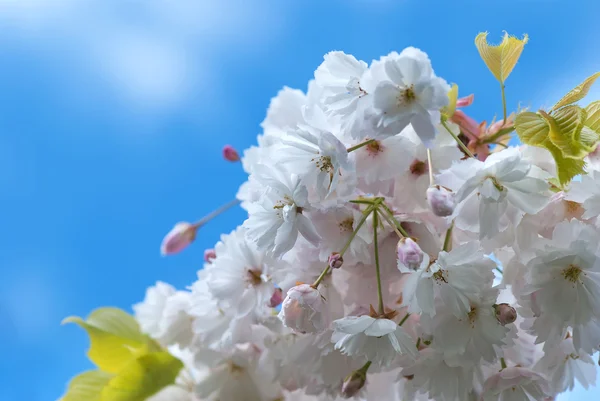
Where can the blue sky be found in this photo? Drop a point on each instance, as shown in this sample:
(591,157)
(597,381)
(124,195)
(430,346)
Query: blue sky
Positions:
(113,115)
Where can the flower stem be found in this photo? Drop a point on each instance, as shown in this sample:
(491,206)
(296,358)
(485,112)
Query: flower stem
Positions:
(503,102)
(362,201)
(396,222)
(360,145)
(365,368)
(364,217)
(378,274)
(460,143)
(404,319)
(216,212)
(448,238)
(430,165)
(391,223)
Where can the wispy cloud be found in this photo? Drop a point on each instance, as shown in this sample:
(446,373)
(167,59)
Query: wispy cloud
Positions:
(153,52)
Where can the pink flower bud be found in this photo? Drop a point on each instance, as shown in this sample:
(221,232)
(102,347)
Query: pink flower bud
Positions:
(178,238)
(230,154)
(335,260)
(410,254)
(276,298)
(209,255)
(304,310)
(353,384)
(505,314)
(441,200)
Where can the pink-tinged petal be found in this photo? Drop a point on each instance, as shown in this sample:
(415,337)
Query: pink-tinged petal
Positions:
(465,101)
(276,298)
(209,255)
(230,154)
(467,125)
(178,238)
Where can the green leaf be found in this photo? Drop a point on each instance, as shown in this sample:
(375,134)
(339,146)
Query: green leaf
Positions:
(567,168)
(138,380)
(577,93)
(536,129)
(143,378)
(589,139)
(87,386)
(115,338)
(593,116)
(555,185)
(532,128)
(500,59)
(565,129)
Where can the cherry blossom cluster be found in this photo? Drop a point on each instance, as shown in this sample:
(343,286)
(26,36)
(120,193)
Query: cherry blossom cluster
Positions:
(395,249)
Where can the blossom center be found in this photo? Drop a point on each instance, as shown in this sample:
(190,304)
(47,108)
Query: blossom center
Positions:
(374,148)
(418,168)
(347,225)
(441,276)
(407,95)
(324,163)
(572,273)
(573,208)
(234,369)
(472,315)
(254,277)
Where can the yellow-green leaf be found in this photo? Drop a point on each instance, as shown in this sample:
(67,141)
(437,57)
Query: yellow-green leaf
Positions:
(115,338)
(589,138)
(143,377)
(593,116)
(117,322)
(449,110)
(555,185)
(138,380)
(577,93)
(532,128)
(502,58)
(567,168)
(87,386)
(565,130)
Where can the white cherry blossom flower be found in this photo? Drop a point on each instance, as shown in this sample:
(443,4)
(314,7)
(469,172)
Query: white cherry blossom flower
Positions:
(276,219)
(316,155)
(376,340)
(564,278)
(413,94)
(564,364)
(458,278)
(340,77)
(503,180)
(516,384)
(239,275)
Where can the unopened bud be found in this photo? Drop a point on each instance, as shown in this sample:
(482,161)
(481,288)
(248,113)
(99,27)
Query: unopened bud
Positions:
(441,200)
(230,154)
(335,260)
(178,238)
(276,298)
(209,255)
(353,383)
(410,254)
(505,314)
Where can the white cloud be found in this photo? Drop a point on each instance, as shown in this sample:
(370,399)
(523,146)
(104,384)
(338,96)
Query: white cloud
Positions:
(154,52)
